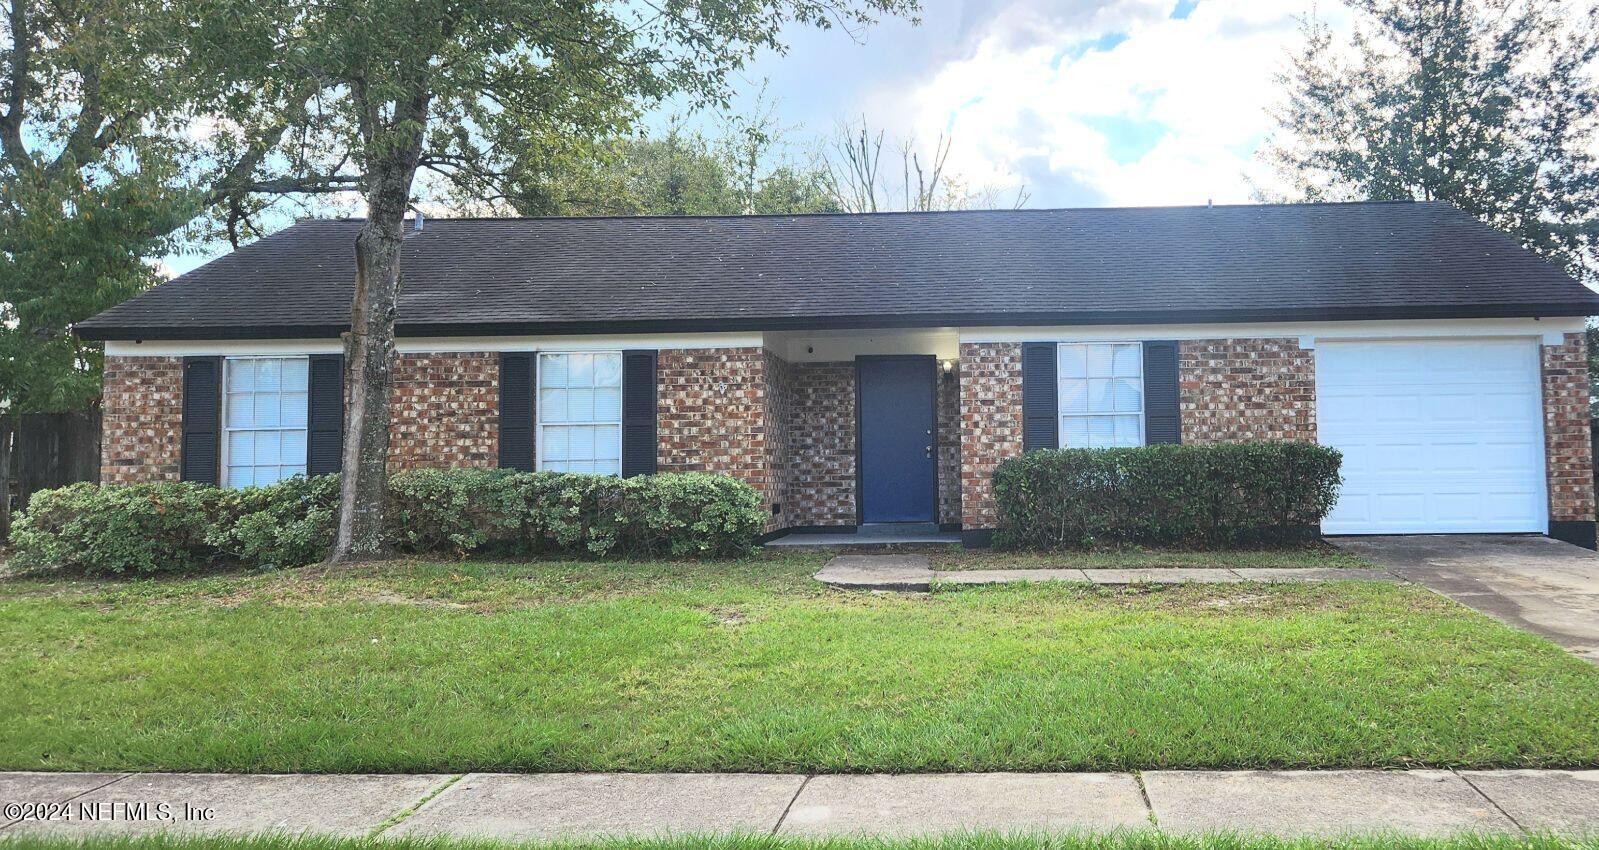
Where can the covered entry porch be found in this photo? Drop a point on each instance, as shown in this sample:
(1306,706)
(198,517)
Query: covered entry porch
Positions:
(865,434)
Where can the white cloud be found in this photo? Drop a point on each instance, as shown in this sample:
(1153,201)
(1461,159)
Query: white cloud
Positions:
(1170,115)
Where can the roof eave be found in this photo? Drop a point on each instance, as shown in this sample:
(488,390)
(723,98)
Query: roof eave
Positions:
(110,332)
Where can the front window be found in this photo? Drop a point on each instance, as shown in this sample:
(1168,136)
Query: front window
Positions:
(580,412)
(264,412)
(1101,394)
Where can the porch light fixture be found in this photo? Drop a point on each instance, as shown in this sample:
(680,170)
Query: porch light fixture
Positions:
(948,366)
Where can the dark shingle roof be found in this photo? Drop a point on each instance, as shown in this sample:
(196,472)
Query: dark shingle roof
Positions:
(1010,267)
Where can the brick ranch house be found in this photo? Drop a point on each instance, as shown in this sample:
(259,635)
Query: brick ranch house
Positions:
(876,368)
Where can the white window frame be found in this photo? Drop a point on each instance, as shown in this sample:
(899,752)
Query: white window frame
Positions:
(1143,393)
(538,404)
(228,430)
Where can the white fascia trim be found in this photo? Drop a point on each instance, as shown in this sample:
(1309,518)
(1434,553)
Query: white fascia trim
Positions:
(1550,330)
(427,345)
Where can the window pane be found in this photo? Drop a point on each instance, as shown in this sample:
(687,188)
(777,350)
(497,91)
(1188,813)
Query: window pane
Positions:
(241,476)
(241,448)
(267,446)
(608,405)
(1127,431)
(268,375)
(582,443)
(1073,396)
(608,467)
(1073,361)
(1099,361)
(241,410)
(1074,432)
(294,373)
(580,405)
(1128,394)
(293,449)
(241,374)
(293,410)
(555,444)
(552,406)
(266,410)
(1128,361)
(608,370)
(580,466)
(291,471)
(608,442)
(552,370)
(582,374)
(1101,431)
(1099,396)
(265,475)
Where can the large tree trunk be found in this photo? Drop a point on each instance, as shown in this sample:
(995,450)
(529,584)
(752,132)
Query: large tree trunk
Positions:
(369,352)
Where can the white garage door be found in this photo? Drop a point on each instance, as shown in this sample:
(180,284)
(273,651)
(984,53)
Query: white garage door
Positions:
(1437,436)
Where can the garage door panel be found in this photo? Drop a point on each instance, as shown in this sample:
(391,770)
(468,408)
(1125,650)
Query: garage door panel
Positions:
(1437,435)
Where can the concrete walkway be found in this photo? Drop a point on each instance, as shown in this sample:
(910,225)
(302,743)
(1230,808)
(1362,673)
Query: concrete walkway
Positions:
(1533,583)
(915,573)
(548,806)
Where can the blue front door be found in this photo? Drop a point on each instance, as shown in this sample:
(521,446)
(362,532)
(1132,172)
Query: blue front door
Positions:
(896,422)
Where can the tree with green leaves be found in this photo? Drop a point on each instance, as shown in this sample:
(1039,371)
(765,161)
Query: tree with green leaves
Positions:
(1490,105)
(99,174)
(471,91)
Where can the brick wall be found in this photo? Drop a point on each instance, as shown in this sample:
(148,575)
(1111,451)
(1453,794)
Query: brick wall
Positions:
(1566,430)
(712,415)
(949,447)
(1238,390)
(991,423)
(141,436)
(445,411)
(821,448)
(781,378)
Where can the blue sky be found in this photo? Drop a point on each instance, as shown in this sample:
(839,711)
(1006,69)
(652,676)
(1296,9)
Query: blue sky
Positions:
(1082,102)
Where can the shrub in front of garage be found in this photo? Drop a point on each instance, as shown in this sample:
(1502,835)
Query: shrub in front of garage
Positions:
(1169,495)
(140,529)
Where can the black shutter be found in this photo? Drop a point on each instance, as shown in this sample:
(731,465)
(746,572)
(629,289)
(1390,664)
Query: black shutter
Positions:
(638,413)
(201,450)
(1161,420)
(324,439)
(1040,412)
(516,411)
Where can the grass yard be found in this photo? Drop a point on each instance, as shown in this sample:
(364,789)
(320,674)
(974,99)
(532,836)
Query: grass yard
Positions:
(1144,840)
(751,666)
(1315,555)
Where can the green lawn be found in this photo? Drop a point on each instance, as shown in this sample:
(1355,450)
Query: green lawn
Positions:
(752,666)
(1317,555)
(1142,840)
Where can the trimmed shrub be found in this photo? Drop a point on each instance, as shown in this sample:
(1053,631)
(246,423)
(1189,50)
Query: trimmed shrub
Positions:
(287,524)
(1214,495)
(449,510)
(153,528)
(136,528)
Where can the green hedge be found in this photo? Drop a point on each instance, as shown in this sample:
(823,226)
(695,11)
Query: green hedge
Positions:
(1219,495)
(152,528)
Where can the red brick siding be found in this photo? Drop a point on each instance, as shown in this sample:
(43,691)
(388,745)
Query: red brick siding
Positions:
(445,411)
(1569,453)
(949,447)
(141,436)
(821,448)
(991,423)
(780,379)
(712,415)
(1243,390)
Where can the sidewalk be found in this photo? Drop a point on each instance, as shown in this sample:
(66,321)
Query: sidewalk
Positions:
(547,806)
(914,573)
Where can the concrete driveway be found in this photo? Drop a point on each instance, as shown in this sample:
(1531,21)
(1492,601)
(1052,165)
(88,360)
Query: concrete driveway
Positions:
(1534,583)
